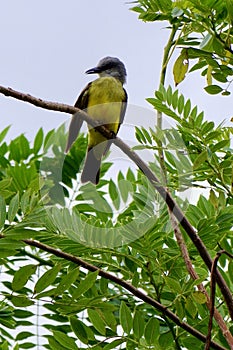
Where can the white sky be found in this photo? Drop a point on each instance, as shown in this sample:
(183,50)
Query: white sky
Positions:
(46,47)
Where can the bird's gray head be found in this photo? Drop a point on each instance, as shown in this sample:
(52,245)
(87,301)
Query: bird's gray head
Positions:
(110,66)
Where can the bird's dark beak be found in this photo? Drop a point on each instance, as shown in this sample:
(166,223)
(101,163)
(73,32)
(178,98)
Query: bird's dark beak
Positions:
(93,70)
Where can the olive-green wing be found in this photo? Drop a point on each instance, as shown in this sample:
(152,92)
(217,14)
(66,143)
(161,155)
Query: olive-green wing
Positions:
(76,121)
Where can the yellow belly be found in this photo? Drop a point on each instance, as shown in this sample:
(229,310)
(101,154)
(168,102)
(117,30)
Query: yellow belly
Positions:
(104,104)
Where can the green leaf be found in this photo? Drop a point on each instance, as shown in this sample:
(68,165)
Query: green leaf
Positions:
(47,279)
(180,104)
(139,135)
(24,335)
(198,65)
(163,5)
(22,276)
(25,201)
(191,307)
(85,285)
(19,149)
(66,341)
(207,127)
(54,345)
(220,77)
(67,281)
(147,135)
(166,341)
(169,95)
(152,331)
(159,95)
(199,297)
(226,93)
(49,140)
(125,188)
(5,253)
(103,285)
(24,147)
(78,327)
(114,344)
(199,119)
(220,145)
(13,207)
(7,243)
(175,99)
(180,67)
(125,318)
(2,212)
(187,109)
(23,314)
(205,42)
(27,345)
(114,194)
(173,284)
(162,108)
(21,233)
(213,89)
(138,324)
(130,176)
(38,141)
(179,308)
(97,321)
(201,158)
(21,301)
(3,133)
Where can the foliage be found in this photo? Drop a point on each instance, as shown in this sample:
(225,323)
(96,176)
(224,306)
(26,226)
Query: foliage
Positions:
(121,226)
(204,34)
(151,261)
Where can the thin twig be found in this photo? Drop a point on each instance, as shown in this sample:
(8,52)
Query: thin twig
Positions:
(158,306)
(212,296)
(168,51)
(185,254)
(145,169)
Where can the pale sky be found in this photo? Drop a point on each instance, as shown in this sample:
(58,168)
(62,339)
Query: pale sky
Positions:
(46,47)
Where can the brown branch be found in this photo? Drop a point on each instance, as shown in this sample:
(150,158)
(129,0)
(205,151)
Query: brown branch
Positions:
(212,297)
(173,207)
(139,294)
(185,254)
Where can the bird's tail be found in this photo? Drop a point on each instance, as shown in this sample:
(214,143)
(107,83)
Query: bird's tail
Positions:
(91,170)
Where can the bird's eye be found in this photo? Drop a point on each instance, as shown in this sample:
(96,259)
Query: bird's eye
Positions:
(108,71)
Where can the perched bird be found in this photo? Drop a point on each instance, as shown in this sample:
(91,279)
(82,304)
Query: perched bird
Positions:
(105,100)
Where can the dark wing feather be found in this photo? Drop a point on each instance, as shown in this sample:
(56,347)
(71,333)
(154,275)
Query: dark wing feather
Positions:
(76,121)
(123,108)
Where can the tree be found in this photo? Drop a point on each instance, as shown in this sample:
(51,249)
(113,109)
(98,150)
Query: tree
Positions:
(147,277)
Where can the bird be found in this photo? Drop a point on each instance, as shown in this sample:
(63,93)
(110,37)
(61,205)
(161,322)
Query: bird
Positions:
(104,100)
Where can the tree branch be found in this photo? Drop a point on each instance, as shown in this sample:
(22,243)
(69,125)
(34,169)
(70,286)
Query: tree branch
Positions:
(209,300)
(145,169)
(212,296)
(147,299)
(178,234)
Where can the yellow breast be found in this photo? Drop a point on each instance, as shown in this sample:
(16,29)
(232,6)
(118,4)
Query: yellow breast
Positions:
(104,104)
(105,97)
